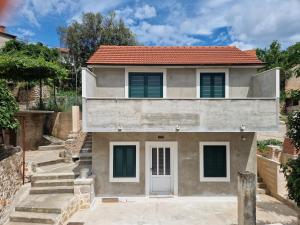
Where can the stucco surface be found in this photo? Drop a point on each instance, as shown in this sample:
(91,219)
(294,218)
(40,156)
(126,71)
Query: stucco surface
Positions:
(242,158)
(240,82)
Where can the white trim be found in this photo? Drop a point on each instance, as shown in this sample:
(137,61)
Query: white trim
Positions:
(146,69)
(277,82)
(137,163)
(174,148)
(173,66)
(201,167)
(216,70)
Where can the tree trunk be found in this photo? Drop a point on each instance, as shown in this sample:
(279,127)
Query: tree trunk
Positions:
(298,217)
(41,95)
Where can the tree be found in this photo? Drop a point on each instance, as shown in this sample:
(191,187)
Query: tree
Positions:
(287,59)
(30,62)
(291,169)
(83,38)
(8,108)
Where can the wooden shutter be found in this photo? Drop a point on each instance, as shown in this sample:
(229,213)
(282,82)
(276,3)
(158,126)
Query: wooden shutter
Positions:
(124,161)
(145,85)
(214,159)
(212,85)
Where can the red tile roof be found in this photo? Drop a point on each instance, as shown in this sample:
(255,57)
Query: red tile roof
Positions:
(251,52)
(154,55)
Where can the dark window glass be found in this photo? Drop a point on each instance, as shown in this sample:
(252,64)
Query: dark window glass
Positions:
(161,161)
(214,159)
(168,160)
(154,161)
(212,85)
(124,161)
(145,85)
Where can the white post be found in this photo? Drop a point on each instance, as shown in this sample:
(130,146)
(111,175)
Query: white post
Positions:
(75,119)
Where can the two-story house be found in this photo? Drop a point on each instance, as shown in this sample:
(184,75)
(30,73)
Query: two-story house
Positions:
(175,120)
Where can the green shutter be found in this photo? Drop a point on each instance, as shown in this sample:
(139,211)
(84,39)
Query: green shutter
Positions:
(212,85)
(145,85)
(124,161)
(214,159)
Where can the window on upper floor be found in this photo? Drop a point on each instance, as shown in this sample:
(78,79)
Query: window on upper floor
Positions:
(145,85)
(212,85)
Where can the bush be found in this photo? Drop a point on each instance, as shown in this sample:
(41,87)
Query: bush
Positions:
(263,144)
(291,171)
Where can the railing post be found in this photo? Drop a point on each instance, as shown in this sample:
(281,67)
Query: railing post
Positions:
(246,198)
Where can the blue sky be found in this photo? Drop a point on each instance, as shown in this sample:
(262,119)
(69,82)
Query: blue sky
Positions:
(246,24)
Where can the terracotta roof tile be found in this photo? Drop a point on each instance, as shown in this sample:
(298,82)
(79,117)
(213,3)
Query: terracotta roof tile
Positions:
(154,55)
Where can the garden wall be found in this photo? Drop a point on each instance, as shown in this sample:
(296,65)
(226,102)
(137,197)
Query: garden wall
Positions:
(269,171)
(62,125)
(10,182)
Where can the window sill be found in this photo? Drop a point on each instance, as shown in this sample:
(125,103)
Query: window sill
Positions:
(215,179)
(124,180)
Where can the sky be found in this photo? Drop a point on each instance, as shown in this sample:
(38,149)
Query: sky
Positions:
(247,24)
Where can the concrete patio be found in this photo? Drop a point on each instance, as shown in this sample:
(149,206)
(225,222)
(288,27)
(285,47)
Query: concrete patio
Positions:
(182,211)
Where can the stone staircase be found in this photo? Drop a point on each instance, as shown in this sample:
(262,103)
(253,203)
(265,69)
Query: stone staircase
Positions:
(50,201)
(85,154)
(261,186)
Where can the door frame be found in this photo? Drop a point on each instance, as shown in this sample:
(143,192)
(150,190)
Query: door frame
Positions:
(174,147)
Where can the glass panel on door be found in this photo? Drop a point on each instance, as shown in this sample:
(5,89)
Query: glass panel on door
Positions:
(161,161)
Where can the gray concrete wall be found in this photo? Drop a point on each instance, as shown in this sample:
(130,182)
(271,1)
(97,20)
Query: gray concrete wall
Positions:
(110,82)
(240,82)
(4,39)
(242,157)
(181,83)
(192,115)
(264,84)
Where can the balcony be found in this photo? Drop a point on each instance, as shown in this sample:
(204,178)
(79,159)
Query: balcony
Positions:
(258,112)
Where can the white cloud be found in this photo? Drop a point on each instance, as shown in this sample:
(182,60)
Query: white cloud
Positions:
(162,35)
(145,12)
(242,45)
(24,33)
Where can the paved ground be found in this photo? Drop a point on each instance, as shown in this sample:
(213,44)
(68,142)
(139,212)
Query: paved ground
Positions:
(182,211)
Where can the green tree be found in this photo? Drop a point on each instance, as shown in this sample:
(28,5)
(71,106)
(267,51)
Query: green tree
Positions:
(84,37)
(8,108)
(287,60)
(291,169)
(31,63)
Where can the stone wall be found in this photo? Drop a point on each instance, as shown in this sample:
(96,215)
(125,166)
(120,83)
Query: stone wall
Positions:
(62,125)
(10,182)
(269,171)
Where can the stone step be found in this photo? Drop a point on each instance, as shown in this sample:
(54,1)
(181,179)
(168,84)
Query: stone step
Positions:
(51,162)
(53,140)
(86,150)
(52,190)
(53,176)
(22,223)
(38,209)
(261,191)
(51,147)
(261,185)
(51,183)
(31,217)
(85,154)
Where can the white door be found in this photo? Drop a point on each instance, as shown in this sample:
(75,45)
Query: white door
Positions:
(161,169)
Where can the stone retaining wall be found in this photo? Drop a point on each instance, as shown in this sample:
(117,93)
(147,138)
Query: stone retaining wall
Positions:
(10,182)
(269,171)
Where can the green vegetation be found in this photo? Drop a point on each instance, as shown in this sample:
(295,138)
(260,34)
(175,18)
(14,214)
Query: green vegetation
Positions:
(291,169)
(262,146)
(83,38)
(8,108)
(287,60)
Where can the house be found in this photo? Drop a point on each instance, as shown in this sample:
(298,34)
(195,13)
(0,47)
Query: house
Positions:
(4,36)
(175,120)
(292,89)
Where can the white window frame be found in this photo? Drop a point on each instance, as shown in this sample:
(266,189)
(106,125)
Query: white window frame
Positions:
(201,160)
(137,163)
(216,70)
(145,70)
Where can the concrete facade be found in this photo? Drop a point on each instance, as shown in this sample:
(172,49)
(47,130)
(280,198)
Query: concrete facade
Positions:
(242,157)
(180,82)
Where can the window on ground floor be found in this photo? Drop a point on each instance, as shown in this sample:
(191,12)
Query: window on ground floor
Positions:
(214,161)
(124,162)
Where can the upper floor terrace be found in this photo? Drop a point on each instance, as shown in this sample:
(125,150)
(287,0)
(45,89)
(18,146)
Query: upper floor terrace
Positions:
(180,99)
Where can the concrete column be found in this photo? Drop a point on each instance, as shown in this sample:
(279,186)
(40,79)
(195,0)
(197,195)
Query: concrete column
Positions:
(246,198)
(75,119)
